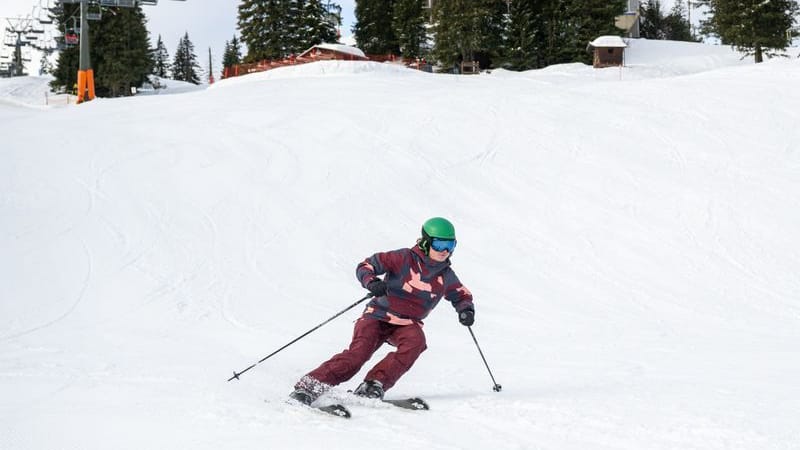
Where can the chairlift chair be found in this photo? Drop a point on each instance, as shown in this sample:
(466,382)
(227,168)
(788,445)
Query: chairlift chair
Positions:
(118,3)
(94,11)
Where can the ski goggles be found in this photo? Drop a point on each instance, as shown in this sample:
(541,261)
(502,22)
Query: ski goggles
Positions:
(441,245)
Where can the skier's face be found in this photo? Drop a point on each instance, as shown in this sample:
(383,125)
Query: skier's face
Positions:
(438,256)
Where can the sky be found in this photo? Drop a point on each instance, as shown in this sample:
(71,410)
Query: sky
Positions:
(629,236)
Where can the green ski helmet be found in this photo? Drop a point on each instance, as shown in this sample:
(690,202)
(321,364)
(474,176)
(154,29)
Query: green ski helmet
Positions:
(440,229)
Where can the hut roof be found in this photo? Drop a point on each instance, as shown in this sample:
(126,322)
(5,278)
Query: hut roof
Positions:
(341,48)
(607,41)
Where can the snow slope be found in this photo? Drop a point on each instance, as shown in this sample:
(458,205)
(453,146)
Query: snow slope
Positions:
(631,244)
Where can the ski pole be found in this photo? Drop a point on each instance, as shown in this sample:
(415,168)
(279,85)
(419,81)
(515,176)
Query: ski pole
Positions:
(496,387)
(237,374)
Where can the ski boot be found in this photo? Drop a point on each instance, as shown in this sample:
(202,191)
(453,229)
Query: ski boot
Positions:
(370,389)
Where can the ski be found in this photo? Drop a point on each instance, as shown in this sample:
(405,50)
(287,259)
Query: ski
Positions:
(335,410)
(414,403)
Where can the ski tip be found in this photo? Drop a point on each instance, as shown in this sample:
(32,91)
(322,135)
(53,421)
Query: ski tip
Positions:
(414,403)
(336,410)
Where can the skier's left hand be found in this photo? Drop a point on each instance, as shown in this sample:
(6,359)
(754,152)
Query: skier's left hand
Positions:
(467,317)
(377,287)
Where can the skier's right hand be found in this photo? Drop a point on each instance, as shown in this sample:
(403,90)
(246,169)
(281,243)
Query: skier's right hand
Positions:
(377,287)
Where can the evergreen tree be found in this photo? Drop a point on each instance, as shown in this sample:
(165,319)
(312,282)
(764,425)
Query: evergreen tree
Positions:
(469,30)
(185,66)
(373,28)
(293,32)
(523,36)
(274,29)
(654,25)
(66,71)
(45,66)
(119,51)
(757,27)
(546,32)
(161,66)
(408,23)
(651,20)
(265,28)
(233,53)
(314,25)
(571,24)
(677,25)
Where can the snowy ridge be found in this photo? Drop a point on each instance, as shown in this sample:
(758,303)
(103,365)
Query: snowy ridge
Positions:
(321,68)
(631,244)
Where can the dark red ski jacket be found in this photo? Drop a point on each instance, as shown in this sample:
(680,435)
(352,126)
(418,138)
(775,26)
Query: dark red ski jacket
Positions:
(415,284)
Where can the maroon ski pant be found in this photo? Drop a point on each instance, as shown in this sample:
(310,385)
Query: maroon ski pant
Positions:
(368,335)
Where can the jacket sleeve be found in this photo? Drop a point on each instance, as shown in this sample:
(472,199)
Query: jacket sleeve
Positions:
(378,264)
(456,293)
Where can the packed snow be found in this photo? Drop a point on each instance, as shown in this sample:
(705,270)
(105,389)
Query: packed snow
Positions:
(630,237)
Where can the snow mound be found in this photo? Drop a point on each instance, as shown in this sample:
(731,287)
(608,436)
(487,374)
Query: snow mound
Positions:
(26,92)
(322,69)
(644,59)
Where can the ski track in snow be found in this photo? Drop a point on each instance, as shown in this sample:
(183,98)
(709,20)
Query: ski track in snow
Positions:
(84,285)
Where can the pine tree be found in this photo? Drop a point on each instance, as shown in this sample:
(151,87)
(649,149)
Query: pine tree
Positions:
(161,66)
(677,25)
(469,30)
(265,28)
(233,53)
(408,23)
(119,51)
(314,25)
(756,27)
(45,66)
(185,66)
(373,28)
(651,20)
(546,32)
(571,24)
(653,24)
(521,36)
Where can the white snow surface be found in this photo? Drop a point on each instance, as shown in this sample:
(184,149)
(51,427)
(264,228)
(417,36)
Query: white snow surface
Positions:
(630,237)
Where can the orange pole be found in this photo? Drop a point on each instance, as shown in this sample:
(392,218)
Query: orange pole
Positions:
(90,82)
(81,86)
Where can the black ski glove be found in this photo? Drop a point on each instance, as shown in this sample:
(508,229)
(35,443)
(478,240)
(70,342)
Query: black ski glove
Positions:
(467,317)
(377,287)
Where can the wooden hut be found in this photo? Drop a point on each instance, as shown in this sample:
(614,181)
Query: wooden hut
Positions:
(334,51)
(609,51)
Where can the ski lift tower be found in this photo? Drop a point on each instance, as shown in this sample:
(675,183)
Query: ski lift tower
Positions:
(85,72)
(16,29)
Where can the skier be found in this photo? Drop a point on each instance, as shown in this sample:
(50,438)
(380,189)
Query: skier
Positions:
(416,279)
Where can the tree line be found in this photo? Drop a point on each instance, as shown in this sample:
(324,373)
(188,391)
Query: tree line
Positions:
(514,34)
(120,52)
